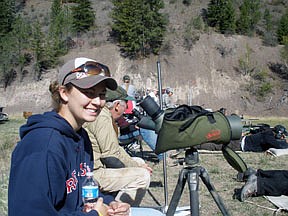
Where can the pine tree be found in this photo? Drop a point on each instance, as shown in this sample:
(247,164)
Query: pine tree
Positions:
(268,20)
(7,16)
(20,35)
(55,9)
(250,15)
(13,46)
(6,55)
(138,26)
(227,22)
(221,15)
(83,16)
(282,30)
(60,27)
(213,13)
(38,47)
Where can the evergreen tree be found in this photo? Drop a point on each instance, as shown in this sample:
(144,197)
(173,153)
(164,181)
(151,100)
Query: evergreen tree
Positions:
(7,16)
(227,22)
(213,13)
(221,14)
(250,15)
(13,46)
(83,16)
(38,47)
(138,26)
(20,35)
(6,56)
(60,27)
(269,37)
(268,20)
(55,9)
(282,30)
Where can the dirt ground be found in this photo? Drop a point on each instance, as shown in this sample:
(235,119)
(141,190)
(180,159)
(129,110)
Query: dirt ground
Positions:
(222,176)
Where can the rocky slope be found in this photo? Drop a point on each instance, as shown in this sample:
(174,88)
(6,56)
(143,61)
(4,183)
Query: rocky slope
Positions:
(201,76)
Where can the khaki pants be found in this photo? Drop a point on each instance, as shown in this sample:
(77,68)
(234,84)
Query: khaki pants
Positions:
(131,183)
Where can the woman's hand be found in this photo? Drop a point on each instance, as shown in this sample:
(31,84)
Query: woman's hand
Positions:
(98,206)
(118,209)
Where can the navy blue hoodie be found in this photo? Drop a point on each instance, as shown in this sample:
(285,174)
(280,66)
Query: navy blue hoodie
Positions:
(48,167)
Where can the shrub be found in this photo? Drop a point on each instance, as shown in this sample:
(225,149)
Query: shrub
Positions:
(187,2)
(269,39)
(280,69)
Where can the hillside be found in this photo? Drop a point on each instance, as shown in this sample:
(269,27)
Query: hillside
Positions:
(202,73)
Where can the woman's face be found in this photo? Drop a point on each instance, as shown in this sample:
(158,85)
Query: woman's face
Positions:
(83,105)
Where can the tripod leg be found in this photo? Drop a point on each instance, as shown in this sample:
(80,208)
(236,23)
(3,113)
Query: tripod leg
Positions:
(206,180)
(177,193)
(193,183)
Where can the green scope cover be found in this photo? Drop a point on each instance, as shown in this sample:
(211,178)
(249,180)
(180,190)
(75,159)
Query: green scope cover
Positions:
(187,126)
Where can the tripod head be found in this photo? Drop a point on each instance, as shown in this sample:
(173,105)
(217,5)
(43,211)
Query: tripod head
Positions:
(190,159)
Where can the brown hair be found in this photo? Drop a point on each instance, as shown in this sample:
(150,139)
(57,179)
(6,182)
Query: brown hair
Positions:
(55,95)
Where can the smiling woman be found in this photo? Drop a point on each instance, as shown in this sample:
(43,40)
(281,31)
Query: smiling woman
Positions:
(64,155)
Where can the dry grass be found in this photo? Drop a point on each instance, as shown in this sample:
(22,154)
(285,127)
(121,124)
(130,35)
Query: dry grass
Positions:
(222,176)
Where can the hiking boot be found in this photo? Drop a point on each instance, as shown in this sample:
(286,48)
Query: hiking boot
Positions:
(250,188)
(243,176)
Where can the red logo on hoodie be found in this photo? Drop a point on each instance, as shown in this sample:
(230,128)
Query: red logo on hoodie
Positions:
(71,183)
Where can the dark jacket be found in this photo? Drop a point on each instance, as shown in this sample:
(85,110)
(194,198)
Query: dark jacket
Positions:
(48,167)
(262,141)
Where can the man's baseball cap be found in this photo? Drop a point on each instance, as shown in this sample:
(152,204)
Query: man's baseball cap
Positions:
(280,129)
(118,94)
(126,77)
(168,89)
(85,73)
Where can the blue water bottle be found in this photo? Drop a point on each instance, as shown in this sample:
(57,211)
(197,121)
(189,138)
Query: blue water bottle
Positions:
(90,189)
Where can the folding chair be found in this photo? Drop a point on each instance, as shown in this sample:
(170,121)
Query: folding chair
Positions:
(129,145)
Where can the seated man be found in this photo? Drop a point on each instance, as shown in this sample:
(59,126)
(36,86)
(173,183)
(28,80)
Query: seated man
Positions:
(262,141)
(114,169)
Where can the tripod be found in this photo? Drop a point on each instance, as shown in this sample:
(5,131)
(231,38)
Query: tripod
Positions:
(191,174)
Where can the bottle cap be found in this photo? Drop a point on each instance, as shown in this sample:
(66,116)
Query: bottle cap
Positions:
(89,174)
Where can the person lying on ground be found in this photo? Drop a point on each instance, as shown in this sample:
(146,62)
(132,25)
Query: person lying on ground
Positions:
(263,140)
(265,183)
(260,141)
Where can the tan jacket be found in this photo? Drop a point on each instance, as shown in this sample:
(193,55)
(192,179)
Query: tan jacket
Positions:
(105,141)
